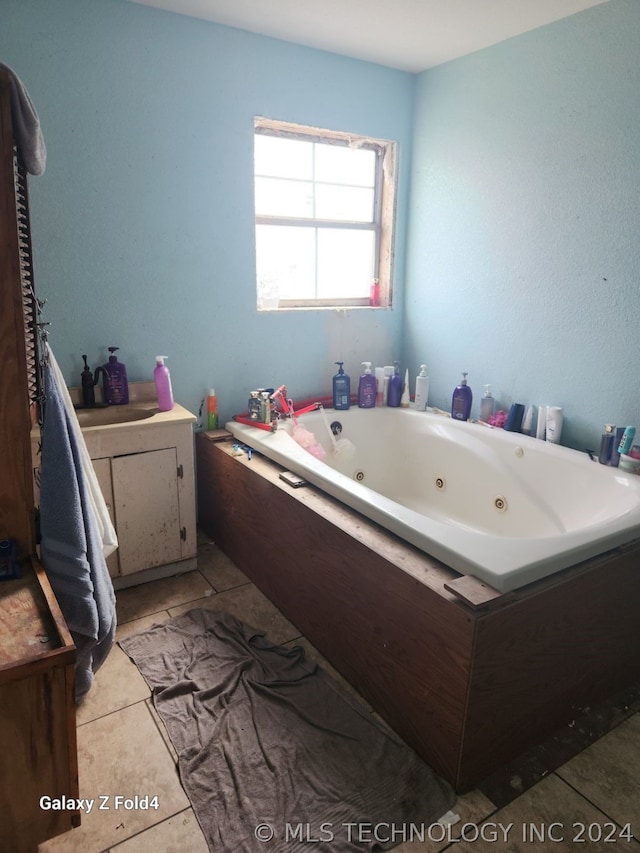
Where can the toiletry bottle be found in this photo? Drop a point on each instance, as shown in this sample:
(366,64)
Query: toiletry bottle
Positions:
(387,373)
(405,400)
(626,442)
(367,388)
(341,389)
(394,391)
(487,404)
(606,444)
(162,379)
(88,393)
(514,418)
(422,389)
(461,401)
(116,387)
(618,441)
(379,372)
(212,409)
(374,294)
(555,419)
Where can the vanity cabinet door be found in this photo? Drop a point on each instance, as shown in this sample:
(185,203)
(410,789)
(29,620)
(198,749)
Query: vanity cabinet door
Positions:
(102,467)
(147,509)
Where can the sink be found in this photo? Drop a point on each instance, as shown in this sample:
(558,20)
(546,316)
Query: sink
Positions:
(115,414)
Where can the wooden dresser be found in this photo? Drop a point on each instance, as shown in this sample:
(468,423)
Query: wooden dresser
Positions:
(37,712)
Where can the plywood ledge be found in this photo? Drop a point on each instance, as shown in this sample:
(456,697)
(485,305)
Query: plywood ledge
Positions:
(476,593)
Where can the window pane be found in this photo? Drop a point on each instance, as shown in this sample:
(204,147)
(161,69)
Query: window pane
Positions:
(283,158)
(276,197)
(353,204)
(342,165)
(285,258)
(345,263)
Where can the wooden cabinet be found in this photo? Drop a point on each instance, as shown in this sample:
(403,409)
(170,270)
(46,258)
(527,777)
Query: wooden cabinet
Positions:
(37,656)
(37,713)
(146,473)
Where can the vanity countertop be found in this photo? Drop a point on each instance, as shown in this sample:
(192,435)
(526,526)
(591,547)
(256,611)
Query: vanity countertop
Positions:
(141,411)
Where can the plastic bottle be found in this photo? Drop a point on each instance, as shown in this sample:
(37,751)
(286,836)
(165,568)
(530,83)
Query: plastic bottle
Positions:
(555,417)
(116,387)
(626,442)
(379,372)
(367,388)
(162,379)
(461,401)
(341,389)
(405,400)
(422,389)
(487,404)
(387,373)
(394,392)
(606,444)
(212,410)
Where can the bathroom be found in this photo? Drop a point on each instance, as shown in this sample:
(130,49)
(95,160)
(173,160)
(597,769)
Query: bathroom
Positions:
(516,253)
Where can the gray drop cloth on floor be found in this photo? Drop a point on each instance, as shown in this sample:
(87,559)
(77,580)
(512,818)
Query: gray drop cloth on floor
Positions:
(270,745)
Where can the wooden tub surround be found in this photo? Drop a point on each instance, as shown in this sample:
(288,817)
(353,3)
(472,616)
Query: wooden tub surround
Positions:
(469,677)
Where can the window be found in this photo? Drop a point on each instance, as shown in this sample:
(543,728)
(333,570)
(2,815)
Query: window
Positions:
(325,208)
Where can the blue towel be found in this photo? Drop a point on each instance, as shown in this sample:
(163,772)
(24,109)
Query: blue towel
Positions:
(71,546)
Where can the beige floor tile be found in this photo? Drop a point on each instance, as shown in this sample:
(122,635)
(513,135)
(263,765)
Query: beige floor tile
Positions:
(124,755)
(608,773)
(145,599)
(179,834)
(118,682)
(473,807)
(249,605)
(552,808)
(162,729)
(116,685)
(218,569)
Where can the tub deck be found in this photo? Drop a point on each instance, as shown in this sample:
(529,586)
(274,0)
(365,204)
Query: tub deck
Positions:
(470,678)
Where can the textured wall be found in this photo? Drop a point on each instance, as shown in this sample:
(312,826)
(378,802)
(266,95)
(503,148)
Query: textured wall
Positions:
(143,221)
(523,264)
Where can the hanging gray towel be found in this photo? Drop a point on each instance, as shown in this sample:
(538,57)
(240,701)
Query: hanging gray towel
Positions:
(71,545)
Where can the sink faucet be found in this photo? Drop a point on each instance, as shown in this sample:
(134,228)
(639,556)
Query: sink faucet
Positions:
(101,370)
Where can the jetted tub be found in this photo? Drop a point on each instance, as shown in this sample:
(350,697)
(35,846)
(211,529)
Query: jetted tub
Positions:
(504,507)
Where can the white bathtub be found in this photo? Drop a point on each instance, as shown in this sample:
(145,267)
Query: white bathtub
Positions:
(502,506)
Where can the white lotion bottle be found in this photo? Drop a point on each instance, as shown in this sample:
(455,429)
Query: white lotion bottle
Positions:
(555,418)
(421,400)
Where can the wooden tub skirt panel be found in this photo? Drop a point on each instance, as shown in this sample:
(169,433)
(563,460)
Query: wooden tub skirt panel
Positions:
(469,687)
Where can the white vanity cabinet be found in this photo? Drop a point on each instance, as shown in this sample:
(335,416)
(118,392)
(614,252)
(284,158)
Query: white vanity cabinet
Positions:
(145,468)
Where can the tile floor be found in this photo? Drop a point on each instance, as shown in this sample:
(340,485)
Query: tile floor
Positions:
(585,805)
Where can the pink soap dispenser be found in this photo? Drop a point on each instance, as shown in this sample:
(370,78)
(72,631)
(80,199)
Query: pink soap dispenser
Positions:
(162,379)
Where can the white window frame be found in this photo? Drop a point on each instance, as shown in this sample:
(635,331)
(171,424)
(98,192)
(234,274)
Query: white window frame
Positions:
(384,209)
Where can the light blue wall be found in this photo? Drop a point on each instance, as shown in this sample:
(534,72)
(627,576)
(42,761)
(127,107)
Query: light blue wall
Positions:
(523,265)
(143,220)
(522,262)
